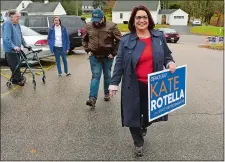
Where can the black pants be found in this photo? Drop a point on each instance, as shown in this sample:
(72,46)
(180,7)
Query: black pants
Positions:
(136,131)
(13,59)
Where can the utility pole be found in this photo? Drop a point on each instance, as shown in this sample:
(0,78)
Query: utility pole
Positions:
(77,6)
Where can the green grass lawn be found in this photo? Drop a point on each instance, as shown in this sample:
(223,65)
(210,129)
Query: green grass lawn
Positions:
(124,27)
(208,30)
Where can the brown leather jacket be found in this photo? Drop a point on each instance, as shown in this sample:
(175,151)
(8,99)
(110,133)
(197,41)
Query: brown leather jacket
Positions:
(101,41)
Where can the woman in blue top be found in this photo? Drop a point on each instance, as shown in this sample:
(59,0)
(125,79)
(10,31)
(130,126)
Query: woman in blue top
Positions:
(59,44)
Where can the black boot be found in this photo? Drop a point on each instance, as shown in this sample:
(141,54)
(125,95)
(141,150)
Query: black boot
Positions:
(138,151)
(143,131)
(138,140)
(107,97)
(20,83)
(91,102)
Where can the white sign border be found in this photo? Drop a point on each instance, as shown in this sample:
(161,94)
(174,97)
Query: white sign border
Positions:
(159,72)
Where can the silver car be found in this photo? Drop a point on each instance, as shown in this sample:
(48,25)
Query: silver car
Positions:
(33,39)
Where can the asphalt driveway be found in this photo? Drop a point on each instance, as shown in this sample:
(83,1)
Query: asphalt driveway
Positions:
(53,122)
(182,30)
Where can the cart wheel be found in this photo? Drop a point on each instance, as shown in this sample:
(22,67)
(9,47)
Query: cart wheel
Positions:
(43,79)
(24,79)
(34,84)
(9,84)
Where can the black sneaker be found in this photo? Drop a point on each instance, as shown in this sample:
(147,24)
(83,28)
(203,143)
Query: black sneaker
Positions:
(91,102)
(143,132)
(20,83)
(138,151)
(107,97)
(68,74)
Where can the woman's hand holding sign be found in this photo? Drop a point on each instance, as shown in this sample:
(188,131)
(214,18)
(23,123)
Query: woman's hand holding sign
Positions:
(172,67)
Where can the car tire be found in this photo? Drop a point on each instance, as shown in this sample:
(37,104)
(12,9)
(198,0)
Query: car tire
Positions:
(175,41)
(71,51)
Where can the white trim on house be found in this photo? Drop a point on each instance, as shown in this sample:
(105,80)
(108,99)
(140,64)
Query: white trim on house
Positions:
(23,5)
(59,10)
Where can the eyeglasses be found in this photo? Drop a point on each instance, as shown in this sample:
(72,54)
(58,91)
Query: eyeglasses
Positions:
(140,17)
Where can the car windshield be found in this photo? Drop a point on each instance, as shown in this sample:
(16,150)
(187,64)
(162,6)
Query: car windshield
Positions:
(69,21)
(168,30)
(28,32)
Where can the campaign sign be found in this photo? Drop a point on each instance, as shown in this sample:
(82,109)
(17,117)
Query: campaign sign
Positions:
(166,92)
(213,39)
(221,39)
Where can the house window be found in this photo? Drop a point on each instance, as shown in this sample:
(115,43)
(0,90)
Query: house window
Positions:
(178,17)
(121,15)
(23,5)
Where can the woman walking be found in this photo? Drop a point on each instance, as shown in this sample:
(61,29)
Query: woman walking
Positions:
(59,44)
(141,52)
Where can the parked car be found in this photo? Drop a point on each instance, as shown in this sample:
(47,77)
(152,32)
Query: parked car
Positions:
(196,22)
(42,23)
(171,35)
(33,39)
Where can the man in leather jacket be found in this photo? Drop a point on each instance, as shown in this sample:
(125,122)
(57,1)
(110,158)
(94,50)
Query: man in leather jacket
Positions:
(100,41)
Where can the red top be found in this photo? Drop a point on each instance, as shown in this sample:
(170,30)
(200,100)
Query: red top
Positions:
(145,62)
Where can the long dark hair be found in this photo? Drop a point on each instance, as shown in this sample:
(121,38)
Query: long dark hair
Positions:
(131,26)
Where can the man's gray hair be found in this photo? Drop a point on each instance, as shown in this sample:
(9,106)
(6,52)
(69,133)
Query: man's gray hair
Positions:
(11,13)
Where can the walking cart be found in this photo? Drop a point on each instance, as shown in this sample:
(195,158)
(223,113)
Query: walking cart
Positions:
(24,58)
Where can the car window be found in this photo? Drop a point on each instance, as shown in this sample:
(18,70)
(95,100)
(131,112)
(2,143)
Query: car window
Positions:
(28,32)
(37,22)
(69,22)
(22,21)
(25,31)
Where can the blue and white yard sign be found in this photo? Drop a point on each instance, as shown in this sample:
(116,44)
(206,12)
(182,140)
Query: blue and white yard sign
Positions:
(166,92)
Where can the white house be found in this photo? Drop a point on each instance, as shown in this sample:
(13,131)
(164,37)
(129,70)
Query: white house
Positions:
(33,8)
(122,10)
(87,6)
(173,17)
(46,8)
(15,5)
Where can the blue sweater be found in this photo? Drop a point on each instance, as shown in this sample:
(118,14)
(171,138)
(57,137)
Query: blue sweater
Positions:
(12,36)
(65,38)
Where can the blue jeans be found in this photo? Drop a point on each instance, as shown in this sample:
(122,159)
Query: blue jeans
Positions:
(96,69)
(58,51)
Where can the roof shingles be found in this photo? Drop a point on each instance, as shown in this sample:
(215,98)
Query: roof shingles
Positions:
(41,7)
(87,3)
(129,5)
(168,11)
(7,5)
